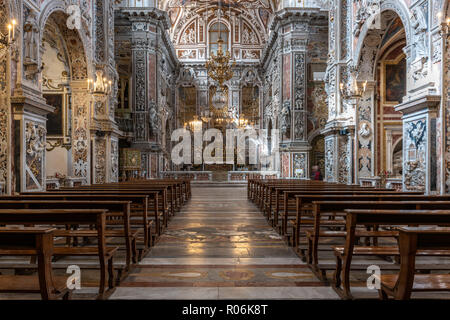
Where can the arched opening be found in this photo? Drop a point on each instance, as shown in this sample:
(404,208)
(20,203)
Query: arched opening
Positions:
(391,88)
(218,31)
(382,62)
(64,86)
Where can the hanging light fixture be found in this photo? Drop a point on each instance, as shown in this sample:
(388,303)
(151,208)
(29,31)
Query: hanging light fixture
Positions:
(219,65)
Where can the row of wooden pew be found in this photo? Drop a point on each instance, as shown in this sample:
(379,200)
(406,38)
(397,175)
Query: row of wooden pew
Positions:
(394,225)
(128,217)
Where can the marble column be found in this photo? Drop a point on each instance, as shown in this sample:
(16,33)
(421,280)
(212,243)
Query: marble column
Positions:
(419,143)
(143,36)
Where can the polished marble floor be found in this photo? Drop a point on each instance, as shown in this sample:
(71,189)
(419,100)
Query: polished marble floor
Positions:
(219,246)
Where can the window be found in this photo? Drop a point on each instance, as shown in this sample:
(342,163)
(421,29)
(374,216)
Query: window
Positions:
(214,31)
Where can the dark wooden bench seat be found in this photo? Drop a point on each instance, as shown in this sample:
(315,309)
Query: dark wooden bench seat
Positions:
(37,242)
(63,217)
(119,209)
(365,217)
(411,242)
(31,284)
(139,216)
(321,209)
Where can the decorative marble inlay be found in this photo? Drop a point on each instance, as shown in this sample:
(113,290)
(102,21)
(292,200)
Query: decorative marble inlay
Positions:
(237,275)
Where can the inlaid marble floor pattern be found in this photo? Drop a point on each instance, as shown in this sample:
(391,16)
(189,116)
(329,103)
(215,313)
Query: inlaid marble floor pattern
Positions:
(219,246)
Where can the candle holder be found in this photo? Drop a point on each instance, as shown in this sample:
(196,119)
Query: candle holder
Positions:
(354,91)
(6,40)
(101,85)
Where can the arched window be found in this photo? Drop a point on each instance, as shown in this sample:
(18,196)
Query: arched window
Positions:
(216,31)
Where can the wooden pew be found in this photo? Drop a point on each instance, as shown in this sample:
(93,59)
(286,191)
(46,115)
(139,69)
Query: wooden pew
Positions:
(36,242)
(155,194)
(276,192)
(355,217)
(292,211)
(96,218)
(304,203)
(410,242)
(139,210)
(115,208)
(321,208)
(295,195)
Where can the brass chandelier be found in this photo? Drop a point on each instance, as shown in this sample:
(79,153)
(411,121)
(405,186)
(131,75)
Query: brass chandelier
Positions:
(219,67)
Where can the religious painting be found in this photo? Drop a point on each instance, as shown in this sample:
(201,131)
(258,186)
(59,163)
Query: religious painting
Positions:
(395,82)
(55,120)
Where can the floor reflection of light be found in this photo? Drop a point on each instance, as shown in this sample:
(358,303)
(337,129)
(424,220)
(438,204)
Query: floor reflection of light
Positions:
(195,247)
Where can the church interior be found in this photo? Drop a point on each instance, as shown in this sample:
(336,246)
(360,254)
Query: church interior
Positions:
(224,149)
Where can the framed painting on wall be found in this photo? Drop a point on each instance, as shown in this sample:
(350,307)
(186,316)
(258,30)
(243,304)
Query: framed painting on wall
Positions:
(394,80)
(56,119)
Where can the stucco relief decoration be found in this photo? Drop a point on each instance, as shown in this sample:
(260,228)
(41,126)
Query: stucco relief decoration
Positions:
(300,83)
(80,135)
(344,161)
(34,148)
(140,74)
(330,89)
(414,165)
(3,142)
(329,160)
(364,130)
(154,119)
(114,161)
(100,161)
(99,31)
(368,54)
(285,118)
(319,114)
(299,166)
(248,36)
(31,46)
(4,102)
(365,137)
(250,54)
(419,27)
(188,37)
(299,126)
(364,10)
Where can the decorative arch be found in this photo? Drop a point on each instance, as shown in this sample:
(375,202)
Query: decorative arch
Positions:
(224,22)
(369,51)
(75,39)
(397,6)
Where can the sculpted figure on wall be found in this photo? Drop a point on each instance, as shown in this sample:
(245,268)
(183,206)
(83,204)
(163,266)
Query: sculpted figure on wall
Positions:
(30,39)
(99,84)
(285,118)
(419,26)
(366,8)
(31,47)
